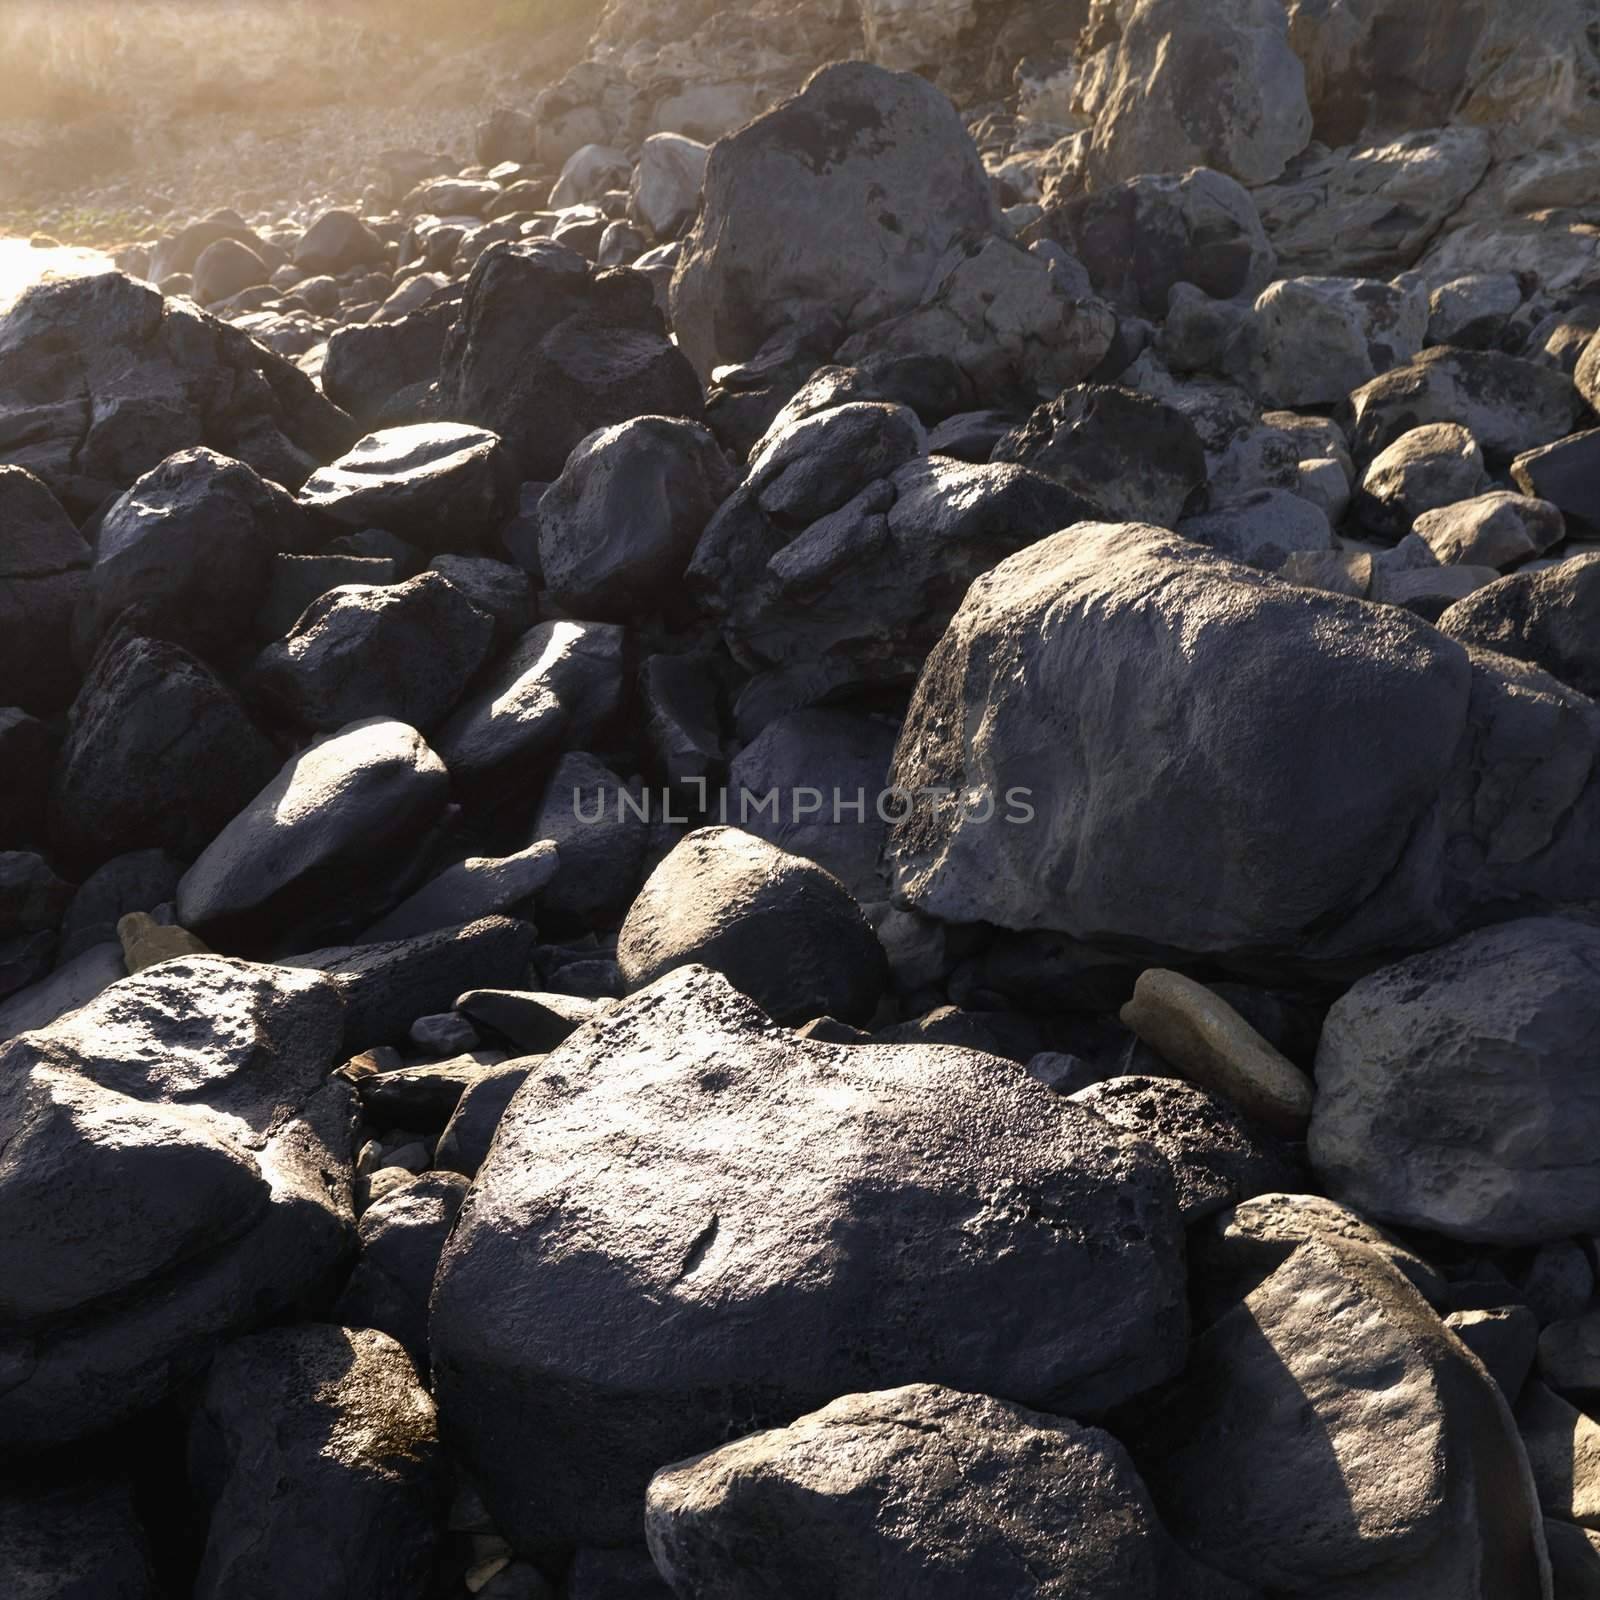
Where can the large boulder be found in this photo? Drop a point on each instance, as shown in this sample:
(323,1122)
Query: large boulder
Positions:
(187,552)
(404,650)
(617,528)
(692,1224)
(315,1453)
(1182,85)
(318,834)
(1549,616)
(1454,1089)
(43,568)
(74,1542)
(378,370)
(780,928)
(860,1498)
(665,190)
(1167,795)
(176,1169)
(1330,1437)
(545,351)
(148,721)
(848,197)
(438,485)
(101,379)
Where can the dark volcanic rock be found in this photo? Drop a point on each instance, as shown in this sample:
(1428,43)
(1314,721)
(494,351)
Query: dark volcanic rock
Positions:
(377,371)
(177,1169)
(780,928)
(138,881)
(545,351)
(159,754)
(315,1450)
(864,1497)
(692,1224)
(1549,617)
(404,650)
(101,379)
(82,1542)
(316,836)
(43,567)
(437,485)
(27,749)
(335,242)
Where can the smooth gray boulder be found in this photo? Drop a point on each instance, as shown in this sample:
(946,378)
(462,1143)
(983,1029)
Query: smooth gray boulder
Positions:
(848,197)
(692,1224)
(176,1169)
(864,1497)
(781,929)
(1455,1089)
(1101,680)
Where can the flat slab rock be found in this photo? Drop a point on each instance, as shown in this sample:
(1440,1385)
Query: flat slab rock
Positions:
(692,1224)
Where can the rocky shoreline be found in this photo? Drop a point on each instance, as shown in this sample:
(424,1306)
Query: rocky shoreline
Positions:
(830,828)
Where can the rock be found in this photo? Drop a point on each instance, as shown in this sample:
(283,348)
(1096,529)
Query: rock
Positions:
(43,566)
(75,982)
(778,927)
(449,196)
(1330,1436)
(1574,1560)
(1569,1355)
(336,242)
(535,1023)
(467,1136)
(778,1193)
(1563,1447)
(402,650)
(544,353)
(32,897)
(401,1237)
(1120,450)
(1216,1158)
(1200,1034)
(1262,528)
(380,371)
(177,1170)
(683,715)
(1399,809)
(186,553)
(181,252)
(1471,312)
(313,837)
(601,834)
(1508,406)
(618,527)
(587,173)
(1497,529)
(1142,237)
(438,485)
(1428,467)
(1371,209)
(478,886)
(1445,1091)
(506,135)
(620,1574)
(149,718)
(1563,473)
(1503,1339)
(145,942)
(1013,325)
(294,582)
(1185,87)
(314,1428)
(561,684)
(497,587)
(859,1497)
(74,1542)
(387,986)
(103,380)
(665,191)
(847,197)
(1543,616)
(27,751)
(1557,1281)
(1319,338)
(226,268)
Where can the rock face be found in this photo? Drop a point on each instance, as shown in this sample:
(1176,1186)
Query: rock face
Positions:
(329,818)
(1414,842)
(43,565)
(176,1170)
(103,379)
(781,929)
(862,1499)
(869,1210)
(851,194)
(545,351)
(75,1541)
(1330,1437)
(1184,85)
(315,1427)
(1454,1090)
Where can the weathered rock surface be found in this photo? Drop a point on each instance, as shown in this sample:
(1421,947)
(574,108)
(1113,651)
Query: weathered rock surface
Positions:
(43,566)
(867,1211)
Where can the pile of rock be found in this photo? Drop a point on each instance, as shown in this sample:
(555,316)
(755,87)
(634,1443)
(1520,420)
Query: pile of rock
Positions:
(861,864)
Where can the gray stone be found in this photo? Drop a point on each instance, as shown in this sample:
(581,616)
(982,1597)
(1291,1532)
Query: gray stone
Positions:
(1262,528)
(336,242)
(1497,529)
(665,190)
(1435,465)
(477,886)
